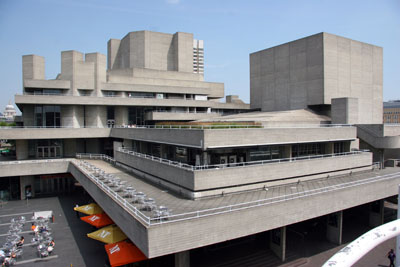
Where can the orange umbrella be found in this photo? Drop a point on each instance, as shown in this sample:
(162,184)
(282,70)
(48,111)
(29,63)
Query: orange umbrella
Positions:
(123,252)
(98,220)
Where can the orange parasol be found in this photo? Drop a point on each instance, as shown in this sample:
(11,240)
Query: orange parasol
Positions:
(122,253)
(98,220)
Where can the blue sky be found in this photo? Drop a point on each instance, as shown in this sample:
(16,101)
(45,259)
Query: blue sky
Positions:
(230,29)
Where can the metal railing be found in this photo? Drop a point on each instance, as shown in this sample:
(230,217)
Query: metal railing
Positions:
(52,127)
(14,162)
(229,208)
(235,126)
(237,164)
(96,156)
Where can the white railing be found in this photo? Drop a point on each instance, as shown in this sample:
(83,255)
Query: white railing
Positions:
(237,164)
(233,126)
(52,127)
(95,156)
(230,208)
(13,162)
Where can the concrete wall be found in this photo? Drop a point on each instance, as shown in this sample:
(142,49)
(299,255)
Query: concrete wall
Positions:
(207,139)
(288,76)
(21,148)
(354,69)
(121,115)
(96,116)
(174,237)
(315,69)
(345,110)
(72,116)
(37,167)
(51,133)
(153,50)
(28,112)
(228,177)
(33,67)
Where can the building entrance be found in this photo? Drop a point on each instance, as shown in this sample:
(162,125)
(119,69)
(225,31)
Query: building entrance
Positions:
(48,152)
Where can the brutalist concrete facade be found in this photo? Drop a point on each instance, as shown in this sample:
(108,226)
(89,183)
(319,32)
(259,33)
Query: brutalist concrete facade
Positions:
(314,70)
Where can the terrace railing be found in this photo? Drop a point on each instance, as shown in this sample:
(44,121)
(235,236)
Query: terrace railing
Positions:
(237,164)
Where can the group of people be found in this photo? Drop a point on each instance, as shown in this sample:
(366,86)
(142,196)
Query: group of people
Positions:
(37,230)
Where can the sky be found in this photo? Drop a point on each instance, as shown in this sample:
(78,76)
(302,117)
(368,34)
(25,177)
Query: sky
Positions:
(231,30)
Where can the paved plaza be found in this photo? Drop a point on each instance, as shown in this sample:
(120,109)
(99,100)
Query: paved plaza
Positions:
(73,247)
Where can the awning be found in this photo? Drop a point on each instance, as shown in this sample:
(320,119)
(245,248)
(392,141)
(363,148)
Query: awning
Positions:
(42,214)
(89,209)
(98,220)
(109,234)
(122,253)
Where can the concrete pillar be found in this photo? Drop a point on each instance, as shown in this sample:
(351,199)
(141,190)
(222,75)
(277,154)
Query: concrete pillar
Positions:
(376,213)
(72,116)
(329,148)
(182,259)
(28,115)
(287,151)
(24,181)
(277,242)
(116,145)
(70,148)
(22,149)
(70,69)
(355,144)
(99,61)
(112,51)
(121,115)
(96,116)
(205,158)
(334,227)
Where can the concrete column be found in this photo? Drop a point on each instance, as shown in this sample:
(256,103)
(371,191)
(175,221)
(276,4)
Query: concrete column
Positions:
(24,181)
(376,213)
(182,259)
(205,158)
(287,151)
(277,242)
(329,148)
(28,115)
(72,116)
(116,145)
(33,67)
(99,61)
(96,116)
(121,115)
(334,227)
(70,148)
(22,149)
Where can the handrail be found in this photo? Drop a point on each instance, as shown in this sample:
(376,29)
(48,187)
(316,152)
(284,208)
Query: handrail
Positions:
(230,208)
(12,162)
(237,164)
(234,126)
(52,127)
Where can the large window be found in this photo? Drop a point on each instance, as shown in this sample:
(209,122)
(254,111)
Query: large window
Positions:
(301,150)
(47,116)
(265,153)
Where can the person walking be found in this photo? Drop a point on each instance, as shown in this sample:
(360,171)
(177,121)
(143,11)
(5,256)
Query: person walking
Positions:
(391,256)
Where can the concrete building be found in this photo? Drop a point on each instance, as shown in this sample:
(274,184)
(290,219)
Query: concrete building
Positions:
(391,112)
(312,71)
(183,171)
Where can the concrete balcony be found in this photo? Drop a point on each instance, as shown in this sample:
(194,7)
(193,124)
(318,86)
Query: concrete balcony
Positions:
(108,101)
(200,181)
(239,135)
(178,116)
(33,167)
(26,133)
(47,84)
(381,136)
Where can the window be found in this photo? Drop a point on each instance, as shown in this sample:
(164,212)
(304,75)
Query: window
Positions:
(47,116)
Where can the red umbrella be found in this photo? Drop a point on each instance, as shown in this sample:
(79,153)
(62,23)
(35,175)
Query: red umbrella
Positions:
(123,252)
(98,220)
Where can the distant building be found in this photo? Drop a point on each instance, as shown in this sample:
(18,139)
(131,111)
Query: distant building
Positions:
(9,113)
(391,111)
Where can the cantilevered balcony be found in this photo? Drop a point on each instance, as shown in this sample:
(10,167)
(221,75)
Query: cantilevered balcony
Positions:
(40,132)
(200,181)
